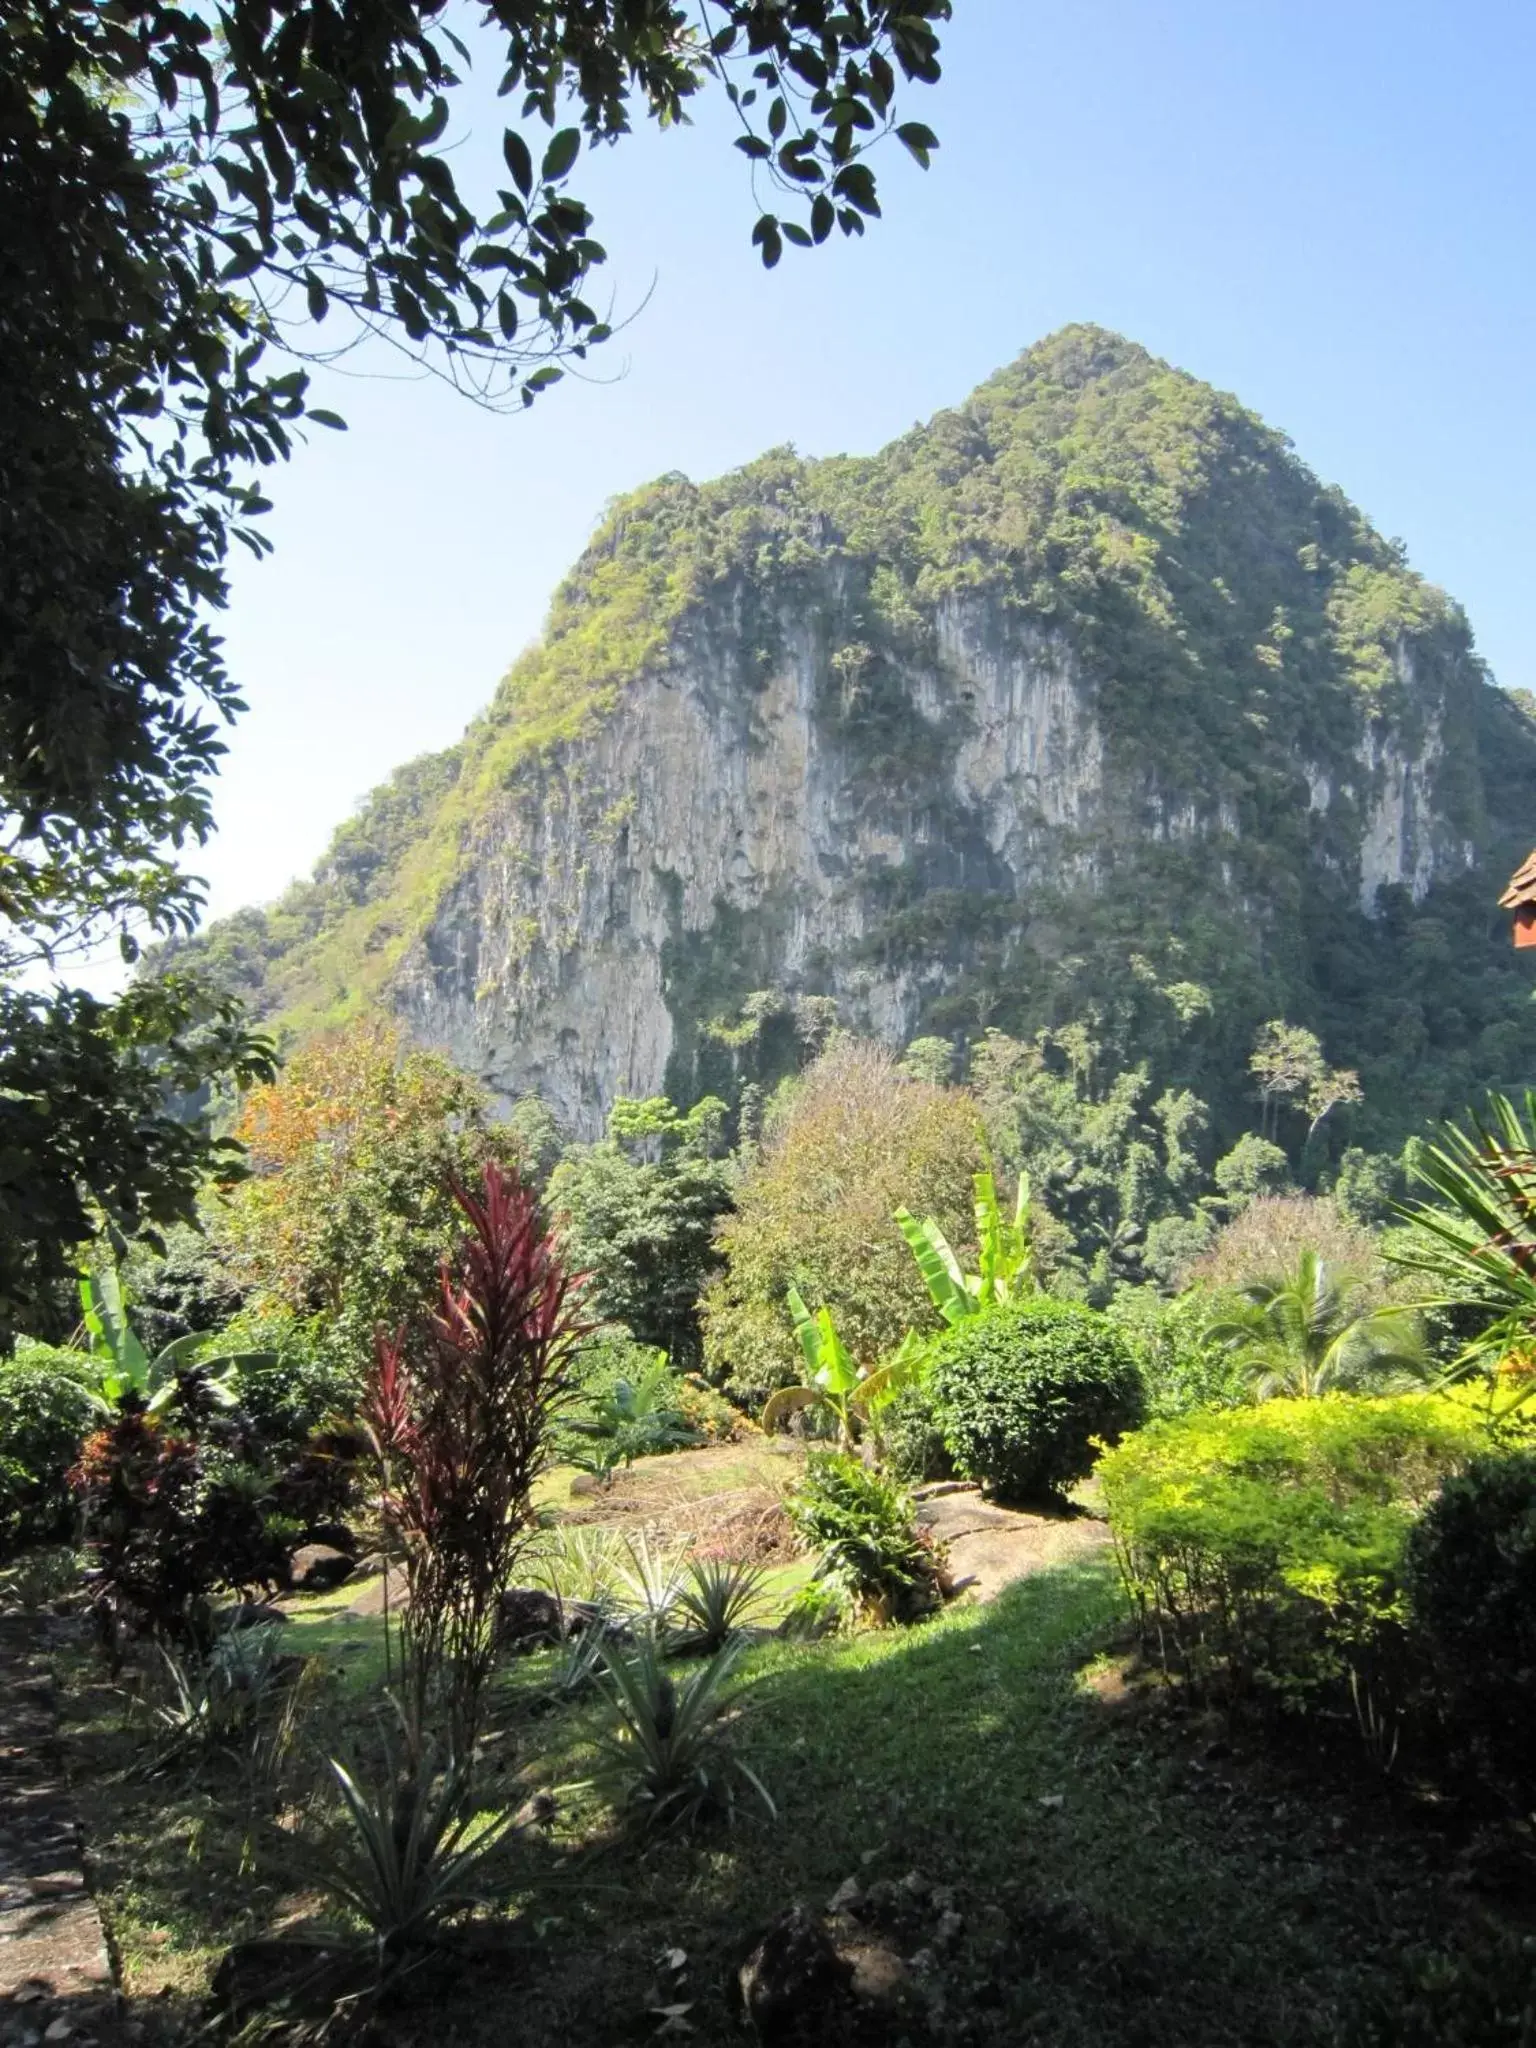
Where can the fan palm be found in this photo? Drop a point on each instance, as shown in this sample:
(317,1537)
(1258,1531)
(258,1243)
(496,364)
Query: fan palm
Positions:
(1305,1333)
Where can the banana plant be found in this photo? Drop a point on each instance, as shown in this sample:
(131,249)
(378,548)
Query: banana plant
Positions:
(1006,1255)
(835,1384)
(129,1371)
(634,1419)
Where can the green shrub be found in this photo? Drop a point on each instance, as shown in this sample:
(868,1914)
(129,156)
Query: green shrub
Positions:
(1479,1994)
(912,1446)
(864,1533)
(1180,1368)
(707,1413)
(1265,1545)
(45,1411)
(303,1386)
(1024,1394)
(1470,1572)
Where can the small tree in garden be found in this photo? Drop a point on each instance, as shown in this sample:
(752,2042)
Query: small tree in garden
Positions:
(460,1421)
(353,1153)
(1307,1332)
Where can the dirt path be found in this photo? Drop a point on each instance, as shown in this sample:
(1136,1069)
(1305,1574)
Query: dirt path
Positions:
(55,1973)
(990,1547)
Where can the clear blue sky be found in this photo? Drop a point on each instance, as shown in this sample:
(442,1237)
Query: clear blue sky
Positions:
(1326,208)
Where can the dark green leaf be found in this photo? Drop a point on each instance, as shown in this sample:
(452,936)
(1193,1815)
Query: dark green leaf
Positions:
(560,155)
(918,140)
(518,160)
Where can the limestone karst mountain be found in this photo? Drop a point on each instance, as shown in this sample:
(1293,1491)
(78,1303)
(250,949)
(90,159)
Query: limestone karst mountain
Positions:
(1083,703)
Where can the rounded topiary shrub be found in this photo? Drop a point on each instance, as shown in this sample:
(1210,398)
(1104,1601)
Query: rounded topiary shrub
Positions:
(1471,1579)
(1023,1393)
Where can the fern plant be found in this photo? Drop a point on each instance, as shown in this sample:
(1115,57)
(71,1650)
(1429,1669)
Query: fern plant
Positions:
(863,1531)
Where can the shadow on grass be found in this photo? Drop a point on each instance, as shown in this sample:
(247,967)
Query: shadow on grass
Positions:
(1114,1886)
(1118,1879)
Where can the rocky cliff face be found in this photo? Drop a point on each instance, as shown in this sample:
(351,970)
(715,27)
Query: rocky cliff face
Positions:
(546,964)
(1085,692)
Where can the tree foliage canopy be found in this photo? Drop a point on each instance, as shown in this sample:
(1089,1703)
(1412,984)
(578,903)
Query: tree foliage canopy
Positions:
(191,193)
(348,1209)
(194,200)
(853,1141)
(101,1123)
(639,1211)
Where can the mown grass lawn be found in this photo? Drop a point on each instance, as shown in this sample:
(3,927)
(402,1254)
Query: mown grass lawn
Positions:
(1124,1873)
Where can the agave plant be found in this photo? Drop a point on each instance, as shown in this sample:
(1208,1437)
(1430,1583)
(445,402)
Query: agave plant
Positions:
(1476,1243)
(648,1583)
(721,1597)
(221,1697)
(1006,1255)
(1303,1333)
(577,1664)
(129,1372)
(582,1562)
(836,1386)
(417,1854)
(665,1762)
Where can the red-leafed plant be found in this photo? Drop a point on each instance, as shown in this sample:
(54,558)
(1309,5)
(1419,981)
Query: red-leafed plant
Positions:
(460,1425)
(163,1532)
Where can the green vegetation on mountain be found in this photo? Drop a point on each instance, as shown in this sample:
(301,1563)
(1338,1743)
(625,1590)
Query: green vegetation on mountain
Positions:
(1241,637)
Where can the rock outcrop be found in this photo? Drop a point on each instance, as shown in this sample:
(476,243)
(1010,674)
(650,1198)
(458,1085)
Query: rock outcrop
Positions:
(1088,682)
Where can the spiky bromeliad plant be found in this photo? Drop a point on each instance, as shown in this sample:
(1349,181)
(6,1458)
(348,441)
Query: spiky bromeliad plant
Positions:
(666,1761)
(415,1855)
(1475,1242)
(1005,1255)
(720,1597)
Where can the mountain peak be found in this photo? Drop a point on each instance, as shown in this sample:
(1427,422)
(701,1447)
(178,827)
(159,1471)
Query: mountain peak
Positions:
(1082,694)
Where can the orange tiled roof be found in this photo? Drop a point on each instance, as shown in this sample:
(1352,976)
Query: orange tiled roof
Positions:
(1522,886)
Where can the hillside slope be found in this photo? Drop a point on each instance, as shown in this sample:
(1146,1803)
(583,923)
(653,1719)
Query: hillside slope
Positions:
(1083,702)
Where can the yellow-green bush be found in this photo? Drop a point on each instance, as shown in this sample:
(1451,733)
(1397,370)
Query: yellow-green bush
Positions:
(1265,1545)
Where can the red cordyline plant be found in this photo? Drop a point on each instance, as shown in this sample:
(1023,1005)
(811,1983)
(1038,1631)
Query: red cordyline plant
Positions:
(459,1423)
